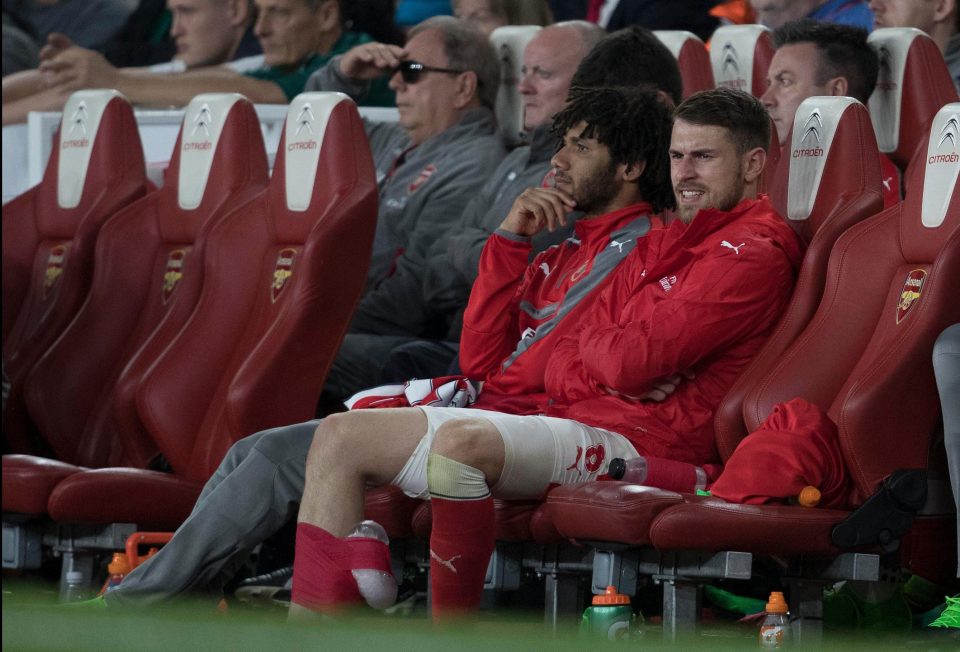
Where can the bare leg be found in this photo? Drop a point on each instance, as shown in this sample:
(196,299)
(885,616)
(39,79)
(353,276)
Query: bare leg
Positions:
(349,451)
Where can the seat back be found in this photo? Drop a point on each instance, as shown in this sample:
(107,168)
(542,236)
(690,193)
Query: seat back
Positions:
(281,279)
(912,85)
(692,58)
(96,168)
(891,288)
(740,56)
(509,42)
(828,180)
(146,273)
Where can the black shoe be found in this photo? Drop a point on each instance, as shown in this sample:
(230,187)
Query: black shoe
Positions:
(262,588)
(886,515)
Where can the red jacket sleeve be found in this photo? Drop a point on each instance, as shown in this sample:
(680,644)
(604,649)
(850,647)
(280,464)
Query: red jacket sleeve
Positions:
(490,322)
(717,302)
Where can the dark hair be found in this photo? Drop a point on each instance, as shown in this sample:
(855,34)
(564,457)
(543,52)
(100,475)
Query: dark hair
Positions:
(632,56)
(634,124)
(844,52)
(739,113)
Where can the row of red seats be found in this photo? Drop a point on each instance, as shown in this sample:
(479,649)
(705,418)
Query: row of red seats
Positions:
(202,311)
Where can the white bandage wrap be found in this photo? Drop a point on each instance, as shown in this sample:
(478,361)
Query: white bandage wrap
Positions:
(454,480)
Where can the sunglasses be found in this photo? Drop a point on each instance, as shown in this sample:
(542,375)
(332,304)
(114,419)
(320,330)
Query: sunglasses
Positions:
(412,71)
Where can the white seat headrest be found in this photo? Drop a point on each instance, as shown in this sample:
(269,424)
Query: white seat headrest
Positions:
(303,133)
(731,55)
(891,45)
(814,127)
(78,132)
(942,165)
(675,39)
(199,135)
(510,42)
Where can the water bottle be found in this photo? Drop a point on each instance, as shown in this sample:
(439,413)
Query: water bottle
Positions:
(378,588)
(775,629)
(609,616)
(659,472)
(76,590)
(117,569)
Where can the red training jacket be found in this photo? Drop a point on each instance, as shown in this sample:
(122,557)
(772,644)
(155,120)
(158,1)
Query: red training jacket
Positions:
(518,310)
(701,297)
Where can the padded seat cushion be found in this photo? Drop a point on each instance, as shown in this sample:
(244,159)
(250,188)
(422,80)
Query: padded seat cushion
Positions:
(601,511)
(392,509)
(152,500)
(512,524)
(760,529)
(28,481)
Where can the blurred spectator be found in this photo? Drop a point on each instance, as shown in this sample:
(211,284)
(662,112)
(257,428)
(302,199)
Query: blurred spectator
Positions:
(568,9)
(20,48)
(413,12)
(145,39)
(374,17)
(690,15)
(938,18)
(734,12)
(206,33)
(487,15)
(297,37)
(88,23)
(776,13)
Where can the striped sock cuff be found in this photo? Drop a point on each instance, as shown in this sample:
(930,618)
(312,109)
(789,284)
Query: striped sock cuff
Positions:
(451,479)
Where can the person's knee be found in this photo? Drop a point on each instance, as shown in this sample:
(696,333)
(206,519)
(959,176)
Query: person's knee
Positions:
(474,442)
(333,439)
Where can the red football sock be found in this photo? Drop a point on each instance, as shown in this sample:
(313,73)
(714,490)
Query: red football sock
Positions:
(460,546)
(322,565)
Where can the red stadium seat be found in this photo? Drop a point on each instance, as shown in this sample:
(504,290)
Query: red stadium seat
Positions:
(280,280)
(913,84)
(95,169)
(146,273)
(740,56)
(822,195)
(864,358)
(692,57)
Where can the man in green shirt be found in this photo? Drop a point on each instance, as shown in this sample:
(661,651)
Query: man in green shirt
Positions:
(297,38)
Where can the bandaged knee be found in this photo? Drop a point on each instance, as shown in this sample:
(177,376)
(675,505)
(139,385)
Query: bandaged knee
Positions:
(447,478)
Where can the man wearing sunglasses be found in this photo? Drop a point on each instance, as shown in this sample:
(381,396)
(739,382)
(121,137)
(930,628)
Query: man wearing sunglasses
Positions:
(550,60)
(430,164)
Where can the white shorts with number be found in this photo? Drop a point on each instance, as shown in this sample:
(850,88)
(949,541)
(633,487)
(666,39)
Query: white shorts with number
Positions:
(539,452)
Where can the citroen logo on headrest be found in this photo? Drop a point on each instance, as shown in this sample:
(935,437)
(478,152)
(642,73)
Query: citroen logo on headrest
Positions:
(950,132)
(813,125)
(730,59)
(203,119)
(79,119)
(304,120)
(883,54)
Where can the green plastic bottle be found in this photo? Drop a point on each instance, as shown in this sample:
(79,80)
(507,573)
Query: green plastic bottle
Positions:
(609,616)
